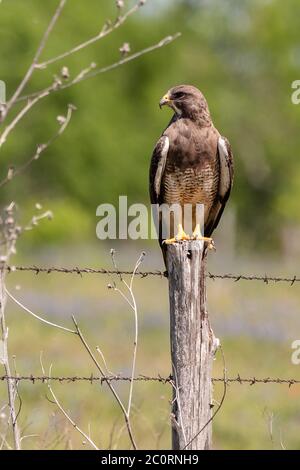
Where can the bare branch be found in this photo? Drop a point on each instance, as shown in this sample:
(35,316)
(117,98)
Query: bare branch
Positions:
(281,441)
(130,287)
(60,407)
(4,440)
(36,218)
(11,384)
(39,149)
(38,53)
(104,32)
(21,114)
(132,303)
(110,386)
(17,389)
(37,316)
(108,371)
(98,71)
(27,436)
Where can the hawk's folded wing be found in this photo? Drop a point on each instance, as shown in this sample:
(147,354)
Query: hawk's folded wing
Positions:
(225,184)
(157,167)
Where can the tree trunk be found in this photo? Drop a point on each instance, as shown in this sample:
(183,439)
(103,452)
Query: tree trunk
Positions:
(192,346)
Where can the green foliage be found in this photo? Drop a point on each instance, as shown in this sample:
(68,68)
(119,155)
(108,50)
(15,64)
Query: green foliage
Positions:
(69,223)
(242,55)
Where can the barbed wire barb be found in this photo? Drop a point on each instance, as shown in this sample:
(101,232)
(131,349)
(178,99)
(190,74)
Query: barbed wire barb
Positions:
(144,378)
(143,274)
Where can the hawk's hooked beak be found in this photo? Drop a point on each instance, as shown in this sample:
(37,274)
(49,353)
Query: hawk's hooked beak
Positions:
(166,100)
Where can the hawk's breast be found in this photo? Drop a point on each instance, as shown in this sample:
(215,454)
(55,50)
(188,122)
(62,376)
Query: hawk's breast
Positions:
(191,174)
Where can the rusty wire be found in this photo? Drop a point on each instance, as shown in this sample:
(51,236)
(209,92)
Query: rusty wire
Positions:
(87,270)
(143,378)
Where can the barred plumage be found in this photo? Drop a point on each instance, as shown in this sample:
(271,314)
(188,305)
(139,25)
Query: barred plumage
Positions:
(191,163)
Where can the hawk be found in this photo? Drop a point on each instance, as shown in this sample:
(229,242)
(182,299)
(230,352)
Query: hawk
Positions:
(191,164)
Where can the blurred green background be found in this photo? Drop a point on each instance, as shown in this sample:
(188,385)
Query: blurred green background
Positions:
(244,56)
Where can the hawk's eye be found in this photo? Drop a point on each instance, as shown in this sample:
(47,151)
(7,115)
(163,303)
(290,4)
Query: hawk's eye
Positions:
(178,94)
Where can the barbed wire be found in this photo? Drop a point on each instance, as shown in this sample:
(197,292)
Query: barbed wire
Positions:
(84,270)
(143,378)
(143,274)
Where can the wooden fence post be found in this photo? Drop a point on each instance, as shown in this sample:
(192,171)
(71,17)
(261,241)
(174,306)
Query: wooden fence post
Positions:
(192,346)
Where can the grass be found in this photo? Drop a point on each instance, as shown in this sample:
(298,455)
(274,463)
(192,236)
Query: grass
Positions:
(256,324)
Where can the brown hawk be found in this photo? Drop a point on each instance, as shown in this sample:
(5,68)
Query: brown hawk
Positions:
(191,163)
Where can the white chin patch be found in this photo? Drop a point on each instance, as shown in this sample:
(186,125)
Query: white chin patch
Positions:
(177,110)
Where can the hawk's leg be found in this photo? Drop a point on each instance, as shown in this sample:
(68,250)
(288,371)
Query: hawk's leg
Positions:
(197,235)
(181,236)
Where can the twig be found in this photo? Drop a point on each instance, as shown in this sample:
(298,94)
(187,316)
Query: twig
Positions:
(21,114)
(91,442)
(27,436)
(104,32)
(281,442)
(37,55)
(9,232)
(5,361)
(270,418)
(4,440)
(110,386)
(132,303)
(130,288)
(26,309)
(124,60)
(36,219)
(17,394)
(104,361)
(119,435)
(40,148)
(4,435)
(111,434)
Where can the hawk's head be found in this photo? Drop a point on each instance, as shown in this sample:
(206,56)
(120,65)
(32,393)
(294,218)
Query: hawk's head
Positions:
(187,101)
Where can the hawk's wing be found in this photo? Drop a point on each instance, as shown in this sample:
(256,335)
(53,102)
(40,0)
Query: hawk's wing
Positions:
(157,167)
(225,183)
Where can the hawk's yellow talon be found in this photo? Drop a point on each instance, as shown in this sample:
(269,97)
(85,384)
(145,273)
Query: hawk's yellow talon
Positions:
(212,246)
(209,241)
(198,236)
(180,237)
(169,241)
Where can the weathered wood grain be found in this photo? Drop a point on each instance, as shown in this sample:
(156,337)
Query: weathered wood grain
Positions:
(192,346)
